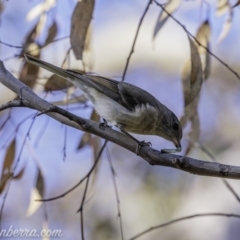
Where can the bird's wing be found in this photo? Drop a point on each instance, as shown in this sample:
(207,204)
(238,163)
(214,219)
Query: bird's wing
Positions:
(102,84)
(128,95)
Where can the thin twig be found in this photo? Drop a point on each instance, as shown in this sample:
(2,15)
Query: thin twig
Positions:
(207,49)
(32,50)
(24,142)
(16,129)
(116,192)
(8,117)
(135,39)
(185,218)
(212,158)
(4,200)
(9,45)
(41,132)
(16,164)
(76,185)
(81,207)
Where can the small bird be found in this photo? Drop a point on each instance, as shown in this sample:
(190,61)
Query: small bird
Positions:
(124,105)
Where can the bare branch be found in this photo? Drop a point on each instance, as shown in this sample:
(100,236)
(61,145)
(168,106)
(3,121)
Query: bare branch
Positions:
(185,218)
(149,154)
(135,39)
(196,40)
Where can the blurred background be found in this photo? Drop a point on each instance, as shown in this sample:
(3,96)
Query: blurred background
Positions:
(51,158)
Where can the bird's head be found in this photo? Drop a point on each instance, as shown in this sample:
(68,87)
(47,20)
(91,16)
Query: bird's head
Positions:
(171,129)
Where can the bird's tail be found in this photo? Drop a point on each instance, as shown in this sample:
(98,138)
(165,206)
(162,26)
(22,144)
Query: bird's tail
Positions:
(54,69)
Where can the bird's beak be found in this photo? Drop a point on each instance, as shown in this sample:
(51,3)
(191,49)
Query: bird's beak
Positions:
(177,143)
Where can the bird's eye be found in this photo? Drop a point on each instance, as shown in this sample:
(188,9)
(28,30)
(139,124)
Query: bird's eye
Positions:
(175,126)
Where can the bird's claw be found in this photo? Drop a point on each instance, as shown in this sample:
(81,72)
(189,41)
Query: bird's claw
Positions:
(103,125)
(142,144)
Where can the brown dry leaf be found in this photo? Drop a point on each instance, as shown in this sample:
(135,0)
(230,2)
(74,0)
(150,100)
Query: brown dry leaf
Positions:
(195,132)
(171,6)
(85,140)
(7,164)
(80,21)
(192,78)
(19,175)
(192,75)
(236,4)
(52,33)
(55,83)
(203,36)
(40,8)
(222,7)
(4,181)
(30,38)
(46,229)
(94,116)
(1,7)
(33,204)
(226,26)
(95,143)
(40,183)
(88,59)
(94,140)
(41,23)
(29,72)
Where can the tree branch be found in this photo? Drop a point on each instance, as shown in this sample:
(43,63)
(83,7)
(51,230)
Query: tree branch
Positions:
(152,156)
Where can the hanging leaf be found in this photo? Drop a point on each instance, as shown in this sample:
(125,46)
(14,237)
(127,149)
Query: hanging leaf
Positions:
(84,141)
(56,83)
(19,175)
(193,74)
(40,8)
(194,133)
(226,27)
(40,183)
(29,72)
(29,39)
(94,116)
(1,7)
(7,165)
(80,21)
(171,6)
(192,78)
(236,4)
(88,60)
(46,229)
(33,204)
(41,23)
(87,138)
(52,33)
(203,36)
(222,7)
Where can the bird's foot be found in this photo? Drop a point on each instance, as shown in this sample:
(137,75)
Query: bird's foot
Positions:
(142,144)
(103,125)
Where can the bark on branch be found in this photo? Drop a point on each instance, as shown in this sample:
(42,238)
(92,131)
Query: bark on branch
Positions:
(31,100)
